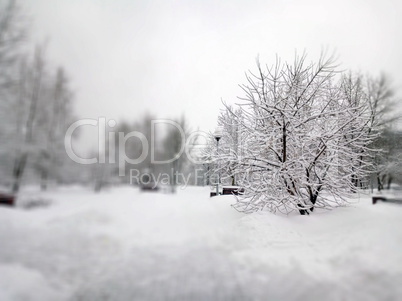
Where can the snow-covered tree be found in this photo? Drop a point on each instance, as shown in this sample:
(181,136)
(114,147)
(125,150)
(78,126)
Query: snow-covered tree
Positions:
(377,95)
(388,162)
(54,118)
(34,108)
(223,161)
(12,33)
(173,150)
(29,94)
(301,138)
(382,106)
(37,111)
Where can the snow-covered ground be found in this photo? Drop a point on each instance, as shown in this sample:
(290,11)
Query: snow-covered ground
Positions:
(126,245)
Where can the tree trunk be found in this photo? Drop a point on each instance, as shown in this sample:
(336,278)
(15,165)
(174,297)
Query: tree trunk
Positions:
(44,177)
(379,183)
(389,182)
(18,171)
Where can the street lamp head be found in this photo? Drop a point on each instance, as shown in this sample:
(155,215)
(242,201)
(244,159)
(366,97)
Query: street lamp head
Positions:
(218,133)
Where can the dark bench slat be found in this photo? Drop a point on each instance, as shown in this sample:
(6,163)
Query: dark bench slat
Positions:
(387,199)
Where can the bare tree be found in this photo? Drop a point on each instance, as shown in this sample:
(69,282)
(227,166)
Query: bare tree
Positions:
(382,103)
(30,91)
(377,95)
(224,160)
(55,116)
(173,146)
(294,155)
(34,108)
(12,33)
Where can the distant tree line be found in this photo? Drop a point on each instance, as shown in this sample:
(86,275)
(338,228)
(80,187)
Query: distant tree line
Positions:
(165,159)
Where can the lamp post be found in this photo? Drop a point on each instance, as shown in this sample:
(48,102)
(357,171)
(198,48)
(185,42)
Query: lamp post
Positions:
(218,136)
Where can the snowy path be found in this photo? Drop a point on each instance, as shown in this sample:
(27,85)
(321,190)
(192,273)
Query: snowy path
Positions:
(126,245)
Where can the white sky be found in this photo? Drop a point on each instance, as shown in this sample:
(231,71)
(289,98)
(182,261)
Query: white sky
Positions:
(126,57)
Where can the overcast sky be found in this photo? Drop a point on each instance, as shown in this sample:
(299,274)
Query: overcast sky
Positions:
(126,57)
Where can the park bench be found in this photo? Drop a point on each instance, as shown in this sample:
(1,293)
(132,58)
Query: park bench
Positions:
(236,190)
(230,190)
(388,199)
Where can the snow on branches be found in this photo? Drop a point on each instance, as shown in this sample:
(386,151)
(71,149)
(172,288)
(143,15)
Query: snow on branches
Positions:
(296,141)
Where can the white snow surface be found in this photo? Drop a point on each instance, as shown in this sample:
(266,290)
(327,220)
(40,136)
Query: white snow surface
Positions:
(122,244)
